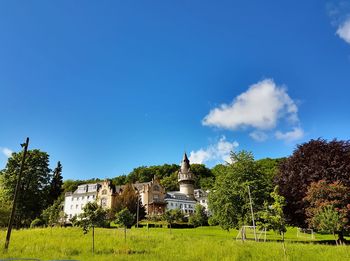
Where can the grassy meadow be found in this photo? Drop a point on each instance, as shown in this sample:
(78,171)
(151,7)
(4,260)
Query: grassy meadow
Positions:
(204,243)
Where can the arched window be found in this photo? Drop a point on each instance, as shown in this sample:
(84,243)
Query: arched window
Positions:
(156,188)
(103,202)
(104,192)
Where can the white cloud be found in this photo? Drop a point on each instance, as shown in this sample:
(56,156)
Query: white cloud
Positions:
(260,107)
(258,135)
(219,151)
(343,31)
(6,151)
(296,134)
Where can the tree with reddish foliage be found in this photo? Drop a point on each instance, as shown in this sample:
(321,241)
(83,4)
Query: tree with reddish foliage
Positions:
(128,199)
(328,208)
(311,162)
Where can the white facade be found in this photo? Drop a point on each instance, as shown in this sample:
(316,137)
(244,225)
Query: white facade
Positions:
(202,198)
(178,200)
(75,202)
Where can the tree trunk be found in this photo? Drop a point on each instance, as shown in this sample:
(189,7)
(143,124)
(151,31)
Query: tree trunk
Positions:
(93,239)
(284,246)
(341,239)
(335,238)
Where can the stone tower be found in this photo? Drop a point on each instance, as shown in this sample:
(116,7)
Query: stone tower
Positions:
(186,178)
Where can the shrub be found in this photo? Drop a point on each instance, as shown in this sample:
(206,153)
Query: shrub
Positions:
(36,223)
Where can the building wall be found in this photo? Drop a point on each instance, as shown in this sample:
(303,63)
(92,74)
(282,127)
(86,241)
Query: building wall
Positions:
(75,202)
(106,196)
(186,206)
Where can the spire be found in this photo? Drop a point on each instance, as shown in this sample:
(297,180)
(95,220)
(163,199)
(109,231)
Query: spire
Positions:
(185,164)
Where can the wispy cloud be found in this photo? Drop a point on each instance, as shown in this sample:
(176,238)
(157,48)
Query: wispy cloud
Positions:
(296,134)
(343,31)
(258,135)
(259,108)
(214,152)
(6,151)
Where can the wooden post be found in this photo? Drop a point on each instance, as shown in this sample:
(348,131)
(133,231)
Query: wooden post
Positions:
(93,239)
(137,210)
(13,211)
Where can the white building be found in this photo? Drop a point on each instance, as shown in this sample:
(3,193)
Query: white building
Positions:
(74,202)
(202,198)
(178,200)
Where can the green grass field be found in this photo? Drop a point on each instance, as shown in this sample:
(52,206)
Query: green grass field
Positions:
(204,243)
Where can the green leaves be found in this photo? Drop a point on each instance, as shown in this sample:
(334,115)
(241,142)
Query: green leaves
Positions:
(124,218)
(93,216)
(228,200)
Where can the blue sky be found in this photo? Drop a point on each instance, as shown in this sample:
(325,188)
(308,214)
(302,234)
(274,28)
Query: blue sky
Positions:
(111,85)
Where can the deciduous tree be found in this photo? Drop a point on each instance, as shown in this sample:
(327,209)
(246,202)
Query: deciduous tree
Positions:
(125,219)
(34,188)
(228,201)
(312,161)
(328,207)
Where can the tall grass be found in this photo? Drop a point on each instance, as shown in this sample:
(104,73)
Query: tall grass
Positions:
(206,243)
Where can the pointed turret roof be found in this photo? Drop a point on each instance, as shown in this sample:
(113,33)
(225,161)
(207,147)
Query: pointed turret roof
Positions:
(185,164)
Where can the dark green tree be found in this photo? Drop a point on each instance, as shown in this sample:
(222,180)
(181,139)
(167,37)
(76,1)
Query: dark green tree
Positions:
(56,184)
(125,219)
(202,174)
(170,183)
(34,186)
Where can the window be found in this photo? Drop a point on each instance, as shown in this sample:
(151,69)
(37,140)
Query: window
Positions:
(88,197)
(156,188)
(70,215)
(171,204)
(82,197)
(155,197)
(103,202)
(76,206)
(104,192)
(71,206)
(180,205)
(185,206)
(93,196)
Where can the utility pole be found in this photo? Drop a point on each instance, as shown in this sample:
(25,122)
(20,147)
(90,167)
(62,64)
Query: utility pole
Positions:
(9,229)
(251,210)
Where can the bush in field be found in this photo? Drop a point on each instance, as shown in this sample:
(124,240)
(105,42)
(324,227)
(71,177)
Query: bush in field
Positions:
(172,215)
(199,218)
